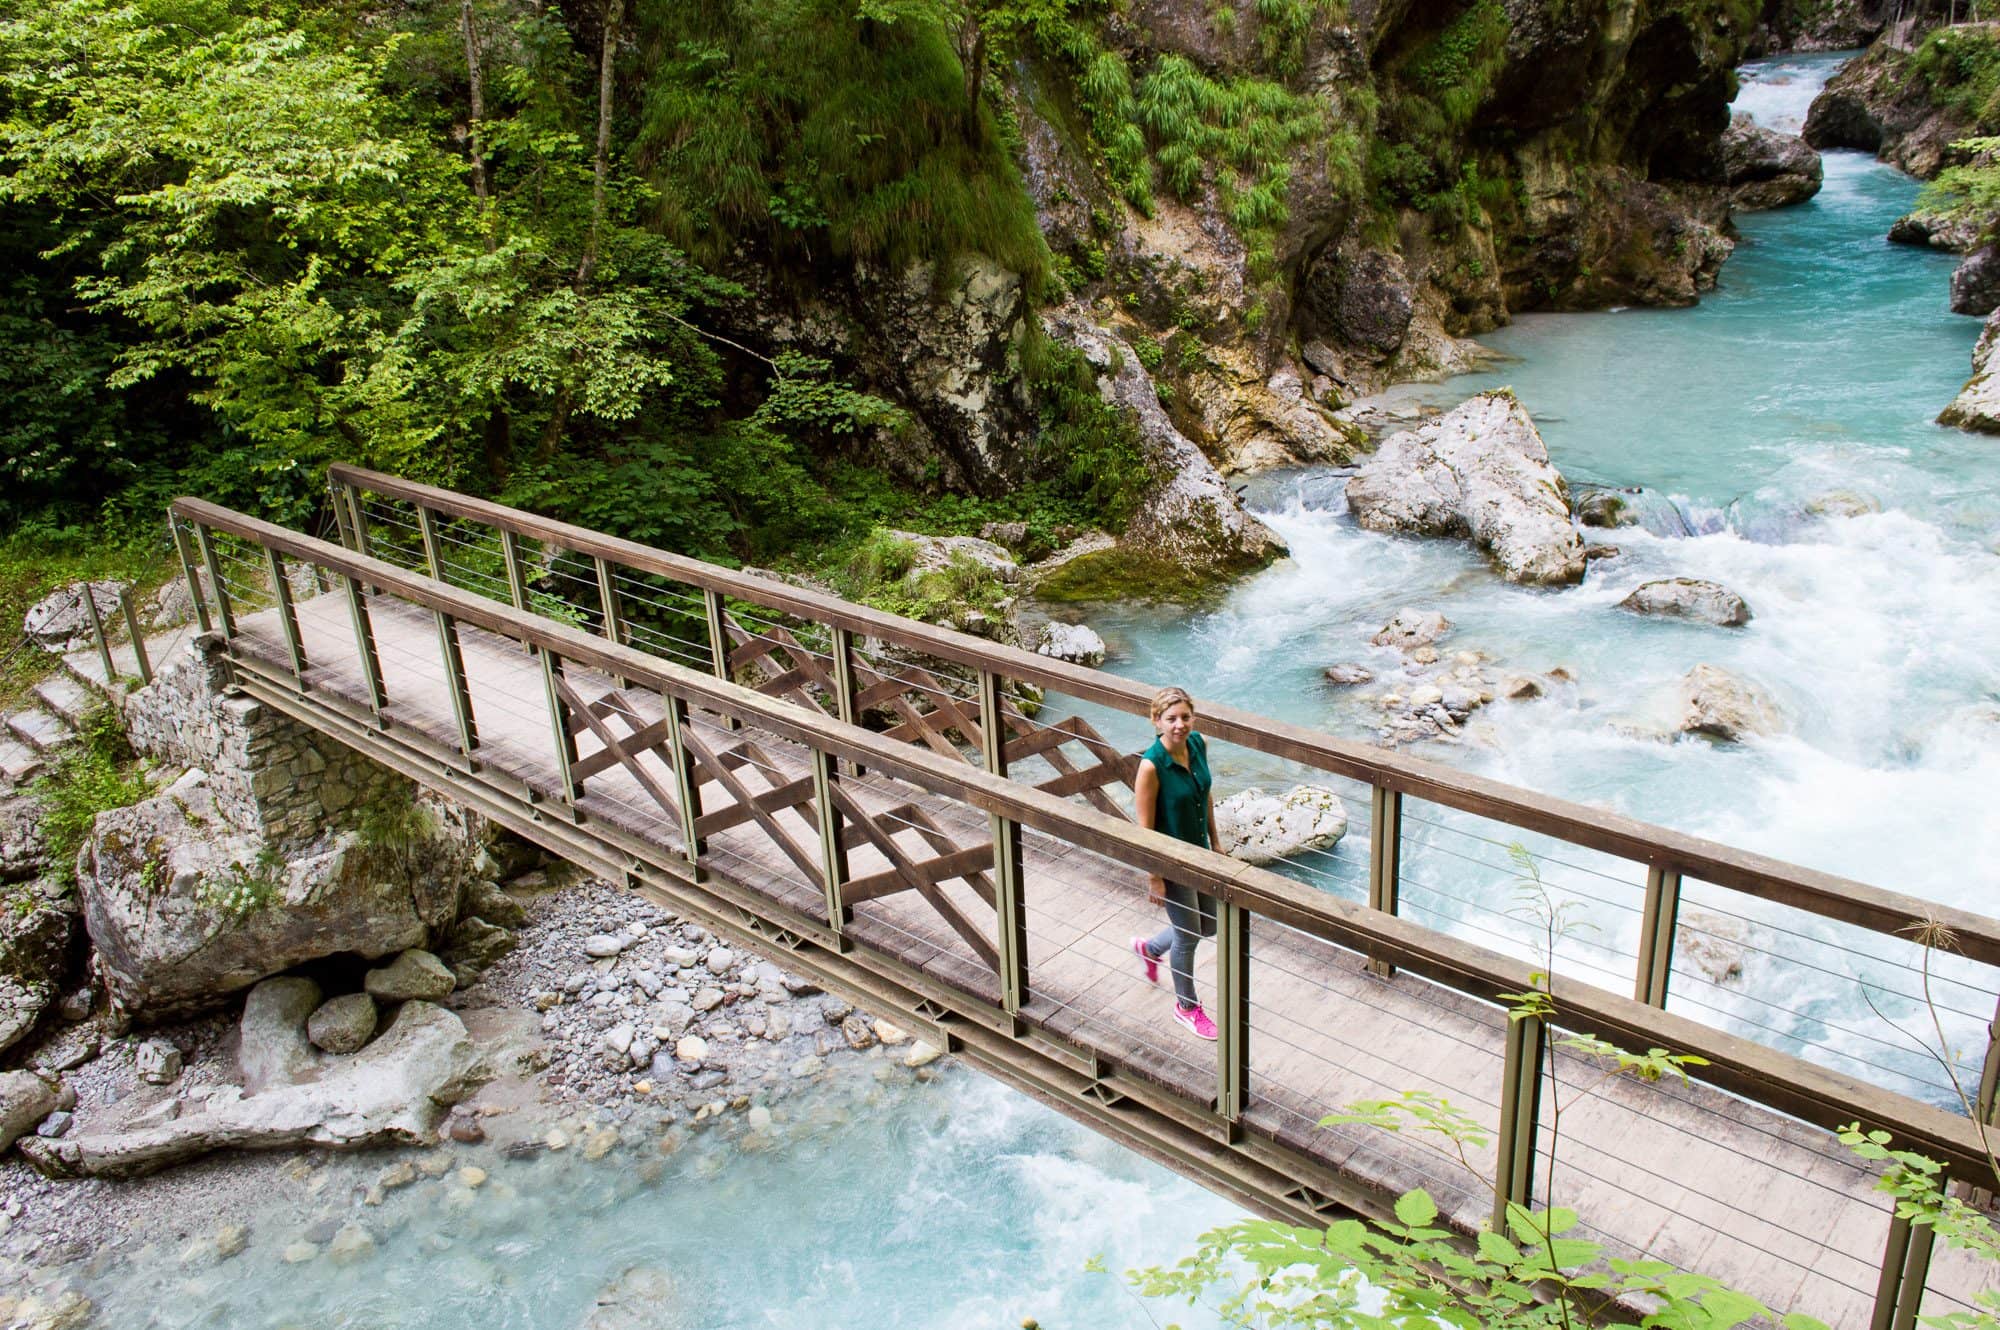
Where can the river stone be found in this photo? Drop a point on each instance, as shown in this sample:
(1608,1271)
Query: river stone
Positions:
(890,1033)
(1689,598)
(1347,675)
(603,946)
(487,901)
(473,946)
(1073,642)
(1715,945)
(36,927)
(272,1046)
(1261,828)
(25,1099)
(1767,169)
(1605,508)
(1411,629)
(395,1090)
(855,1029)
(414,973)
(343,1024)
(719,960)
(160,881)
(157,1062)
(1718,704)
(922,1053)
(691,1048)
(1480,471)
(642,1298)
(350,1243)
(1975,283)
(58,621)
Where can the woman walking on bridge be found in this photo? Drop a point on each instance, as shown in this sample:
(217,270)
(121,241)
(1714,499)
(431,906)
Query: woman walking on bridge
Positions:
(1173,796)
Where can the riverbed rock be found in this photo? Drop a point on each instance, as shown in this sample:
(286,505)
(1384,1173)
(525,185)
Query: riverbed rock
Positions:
(1879,104)
(25,1099)
(1714,945)
(1688,598)
(59,621)
(643,1297)
(272,1043)
(1073,642)
(1975,283)
(1261,828)
(395,1090)
(183,909)
(1480,471)
(1977,406)
(1720,705)
(1930,230)
(1411,628)
(37,923)
(414,973)
(157,1062)
(343,1024)
(1347,675)
(472,947)
(1767,169)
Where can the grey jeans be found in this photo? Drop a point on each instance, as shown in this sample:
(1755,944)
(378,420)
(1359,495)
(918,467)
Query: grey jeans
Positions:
(1190,918)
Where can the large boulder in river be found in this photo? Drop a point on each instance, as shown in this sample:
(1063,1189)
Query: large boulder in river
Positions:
(395,1090)
(1977,406)
(1766,169)
(1261,828)
(1480,471)
(184,909)
(1720,705)
(1975,283)
(1689,598)
(1932,230)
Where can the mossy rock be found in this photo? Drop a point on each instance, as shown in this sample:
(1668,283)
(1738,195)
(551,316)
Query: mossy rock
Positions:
(1120,574)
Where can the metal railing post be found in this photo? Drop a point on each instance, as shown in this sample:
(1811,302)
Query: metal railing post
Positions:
(1010,903)
(357,519)
(1520,1116)
(1385,852)
(832,848)
(186,553)
(97,637)
(565,736)
(449,649)
(845,704)
(517,572)
(138,638)
(337,500)
(1657,923)
(687,782)
(1906,1263)
(607,599)
(209,560)
(1232,1009)
(364,647)
(718,639)
(288,616)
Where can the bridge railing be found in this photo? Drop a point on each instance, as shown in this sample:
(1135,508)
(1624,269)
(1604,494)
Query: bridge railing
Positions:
(659,707)
(1441,844)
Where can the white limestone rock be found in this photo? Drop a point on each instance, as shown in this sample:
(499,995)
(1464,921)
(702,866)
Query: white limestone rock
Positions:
(343,1024)
(1714,945)
(1977,406)
(395,1090)
(414,973)
(60,622)
(1073,642)
(1410,629)
(1261,828)
(1720,705)
(1480,471)
(1689,598)
(273,1044)
(25,1099)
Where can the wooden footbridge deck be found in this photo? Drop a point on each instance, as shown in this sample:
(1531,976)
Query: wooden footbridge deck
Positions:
(882,804)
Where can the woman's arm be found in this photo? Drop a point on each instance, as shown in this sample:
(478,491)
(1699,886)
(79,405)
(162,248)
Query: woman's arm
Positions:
(1214,836)
(1146,802)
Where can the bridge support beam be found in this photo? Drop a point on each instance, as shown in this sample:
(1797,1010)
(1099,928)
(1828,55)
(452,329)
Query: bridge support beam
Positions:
(1520,1116)
(832,846)
(1385,853)
(1656,935)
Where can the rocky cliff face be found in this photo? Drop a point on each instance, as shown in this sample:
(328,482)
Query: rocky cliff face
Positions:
(1879,104)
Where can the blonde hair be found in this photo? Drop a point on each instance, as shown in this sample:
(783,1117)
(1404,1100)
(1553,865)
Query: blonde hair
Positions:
(1168,697)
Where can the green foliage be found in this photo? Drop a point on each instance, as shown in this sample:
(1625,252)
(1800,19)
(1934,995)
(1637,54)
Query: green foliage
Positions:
(1237,134)
(883,572)
(1969,190)
(1085,443)
(1917,1185)
(245,888)
(94,775)
(1957,69)
(1120,574)
(395,823)
(1433,94)
(823,134)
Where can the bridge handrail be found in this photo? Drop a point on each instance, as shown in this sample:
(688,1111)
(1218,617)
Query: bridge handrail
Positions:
(1826,894)
(1763,1075)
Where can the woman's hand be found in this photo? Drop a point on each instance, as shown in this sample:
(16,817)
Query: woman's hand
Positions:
(1156,889)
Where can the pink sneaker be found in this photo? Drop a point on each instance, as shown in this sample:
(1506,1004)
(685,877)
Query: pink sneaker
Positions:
(1147,959)
(1195,1019)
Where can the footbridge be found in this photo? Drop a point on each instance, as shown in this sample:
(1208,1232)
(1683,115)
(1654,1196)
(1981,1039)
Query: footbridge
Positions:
(936,826)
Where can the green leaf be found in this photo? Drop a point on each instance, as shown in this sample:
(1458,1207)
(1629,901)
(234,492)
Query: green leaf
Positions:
(1416,1208)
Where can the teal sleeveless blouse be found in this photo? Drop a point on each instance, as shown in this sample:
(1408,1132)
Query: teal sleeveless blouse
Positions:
(1182,808)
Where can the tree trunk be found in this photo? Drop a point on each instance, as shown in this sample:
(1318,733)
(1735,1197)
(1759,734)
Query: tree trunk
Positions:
(614,18)
(475,78)
(975,81)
